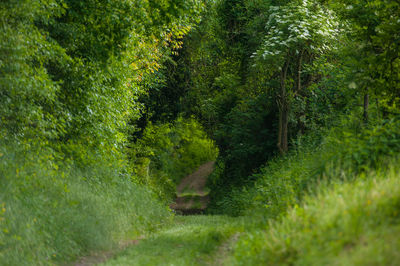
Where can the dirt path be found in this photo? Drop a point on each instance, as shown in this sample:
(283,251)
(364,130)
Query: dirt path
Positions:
(189,240)
(99,257)
(192,240)
(192,194)
(197,180)
(192,199)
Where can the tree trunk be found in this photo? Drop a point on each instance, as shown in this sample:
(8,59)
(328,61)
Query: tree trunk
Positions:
(283,106)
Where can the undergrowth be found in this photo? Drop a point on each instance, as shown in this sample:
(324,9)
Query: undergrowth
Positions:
(341,154)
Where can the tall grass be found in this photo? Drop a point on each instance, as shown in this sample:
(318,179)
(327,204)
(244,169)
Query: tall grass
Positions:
(345,223)
(53,211)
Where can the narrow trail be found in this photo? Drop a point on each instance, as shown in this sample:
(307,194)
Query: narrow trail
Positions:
(192,194)
(190,239)
(101,257)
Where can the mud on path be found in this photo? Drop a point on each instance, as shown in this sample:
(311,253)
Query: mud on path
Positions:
(192,195)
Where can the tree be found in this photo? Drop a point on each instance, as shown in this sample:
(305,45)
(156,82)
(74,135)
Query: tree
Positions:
(375,55)
(71,71)
(297,34)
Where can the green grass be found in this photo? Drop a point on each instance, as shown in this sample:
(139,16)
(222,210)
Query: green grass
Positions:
(354,223)
(347,196)
(191,192)
(53,213)
(192,240)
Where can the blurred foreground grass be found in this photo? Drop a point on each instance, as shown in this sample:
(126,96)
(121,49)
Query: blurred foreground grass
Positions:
(191,240)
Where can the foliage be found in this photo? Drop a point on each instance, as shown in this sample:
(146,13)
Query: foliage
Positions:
(207,81)
(374,53)
(71,73)
(297,34)
(245,143)
(168,152)
(28,93)
(215,78)
(300,27)
(342,152)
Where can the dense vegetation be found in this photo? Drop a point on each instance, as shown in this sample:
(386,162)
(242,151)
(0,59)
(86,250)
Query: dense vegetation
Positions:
(107,105)
(268,77)
(71,75)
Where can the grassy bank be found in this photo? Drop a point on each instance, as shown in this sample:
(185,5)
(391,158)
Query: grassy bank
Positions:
(353,223)
(332,201)
(53,210)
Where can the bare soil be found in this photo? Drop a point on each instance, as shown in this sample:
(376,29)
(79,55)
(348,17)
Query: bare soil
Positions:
(194,184)
(197,180)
